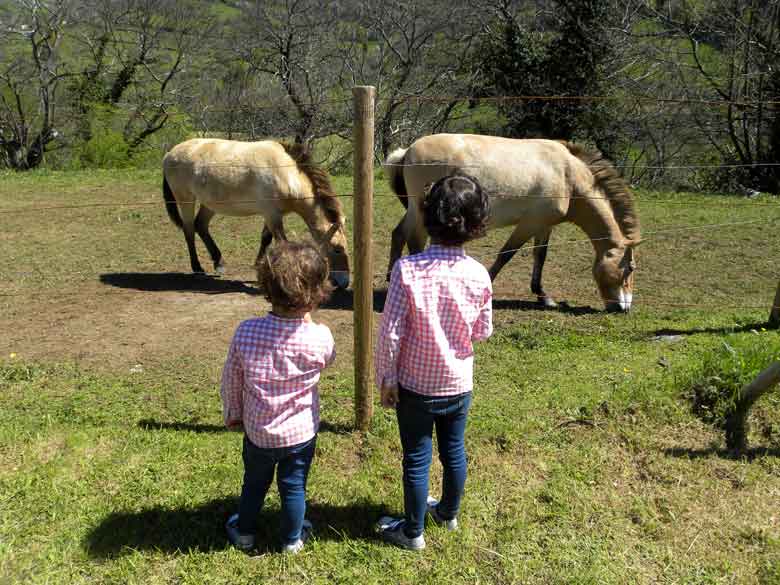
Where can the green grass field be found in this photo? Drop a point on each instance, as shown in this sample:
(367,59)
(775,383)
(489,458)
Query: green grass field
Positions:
(587,462)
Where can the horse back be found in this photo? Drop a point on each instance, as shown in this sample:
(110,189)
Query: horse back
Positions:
(235,178)
(524,178)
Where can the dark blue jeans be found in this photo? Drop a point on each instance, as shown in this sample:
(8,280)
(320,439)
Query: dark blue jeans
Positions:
(292,470)
(417,416)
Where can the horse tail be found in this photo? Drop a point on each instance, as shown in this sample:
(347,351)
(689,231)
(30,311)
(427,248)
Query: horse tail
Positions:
(324,194)
(614,187)
(170,204)
(394,170)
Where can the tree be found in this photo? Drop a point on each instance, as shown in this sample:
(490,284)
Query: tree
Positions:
(31,75)
(518,57)
(732,63)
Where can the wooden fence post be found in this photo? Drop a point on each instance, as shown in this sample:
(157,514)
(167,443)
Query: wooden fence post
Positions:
(736,423)
(774,314)
(363,100)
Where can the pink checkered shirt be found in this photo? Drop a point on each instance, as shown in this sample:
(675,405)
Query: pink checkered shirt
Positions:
(270,379)
(438,303)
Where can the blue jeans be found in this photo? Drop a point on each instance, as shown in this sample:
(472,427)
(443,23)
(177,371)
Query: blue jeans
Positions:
(417,415)
(293,469)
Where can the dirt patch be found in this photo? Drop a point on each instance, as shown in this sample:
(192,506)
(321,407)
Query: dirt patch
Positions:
(139,319)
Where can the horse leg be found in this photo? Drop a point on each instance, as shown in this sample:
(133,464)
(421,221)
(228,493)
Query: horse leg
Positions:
(265,240)
(540,255)
(414,232)
(397,242)
(202,228)
(513,244)
(276,231)
(188,227)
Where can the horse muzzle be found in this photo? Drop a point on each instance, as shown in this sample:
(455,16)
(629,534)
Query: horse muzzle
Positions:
(340,279)
(622,304)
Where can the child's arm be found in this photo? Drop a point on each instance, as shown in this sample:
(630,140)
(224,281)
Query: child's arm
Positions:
(232,388)
(391,332)
(330,356)
(483,327)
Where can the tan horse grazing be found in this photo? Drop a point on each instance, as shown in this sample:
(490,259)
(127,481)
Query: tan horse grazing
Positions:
(248,178)
(533,185)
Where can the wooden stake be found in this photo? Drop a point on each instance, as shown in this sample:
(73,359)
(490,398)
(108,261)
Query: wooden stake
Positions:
(363,99)
(736,423)
(774,314)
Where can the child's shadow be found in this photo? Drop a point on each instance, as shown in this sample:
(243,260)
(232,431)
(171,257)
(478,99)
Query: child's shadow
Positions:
(203,528)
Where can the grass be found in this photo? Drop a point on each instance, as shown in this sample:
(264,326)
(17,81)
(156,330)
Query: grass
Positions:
(587,464)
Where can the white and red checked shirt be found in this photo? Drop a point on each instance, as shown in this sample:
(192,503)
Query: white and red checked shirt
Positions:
(438,303)
(270,379)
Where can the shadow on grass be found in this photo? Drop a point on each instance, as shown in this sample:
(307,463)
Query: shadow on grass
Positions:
(521,305)
(202,528)
(716,330)
(176,281)
(344,300)
(747,454)
(149,424)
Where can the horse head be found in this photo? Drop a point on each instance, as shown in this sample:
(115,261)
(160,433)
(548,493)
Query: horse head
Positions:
(614,273)
(334,245)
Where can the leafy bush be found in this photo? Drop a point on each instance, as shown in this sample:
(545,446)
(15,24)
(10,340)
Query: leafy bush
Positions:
(713,385)
(106,149)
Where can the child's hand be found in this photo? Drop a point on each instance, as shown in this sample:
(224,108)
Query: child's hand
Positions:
(235,425)
(389,396)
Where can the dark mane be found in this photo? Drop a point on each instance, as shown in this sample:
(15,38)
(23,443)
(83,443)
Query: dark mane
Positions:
(614,186)
(320,180)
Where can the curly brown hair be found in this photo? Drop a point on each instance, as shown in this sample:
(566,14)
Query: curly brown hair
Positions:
(456,210)
(294,275)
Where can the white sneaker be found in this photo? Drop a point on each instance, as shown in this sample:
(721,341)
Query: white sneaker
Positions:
(392,530)
(242,542)
(433,504)
(297,546)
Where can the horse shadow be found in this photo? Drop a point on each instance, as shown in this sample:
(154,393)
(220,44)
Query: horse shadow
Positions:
(715,330)
(176,281)
(149,424)
(525,305)
(202,528)
(747,455)
(344,300)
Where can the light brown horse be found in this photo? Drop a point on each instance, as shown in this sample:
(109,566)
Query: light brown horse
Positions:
(248,178)
(533,185)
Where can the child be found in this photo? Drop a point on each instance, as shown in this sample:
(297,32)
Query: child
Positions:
(438,303)
(269,386)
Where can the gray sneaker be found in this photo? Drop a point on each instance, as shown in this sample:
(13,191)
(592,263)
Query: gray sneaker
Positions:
(433,504)
(297,546)
(244,542)
(392,530)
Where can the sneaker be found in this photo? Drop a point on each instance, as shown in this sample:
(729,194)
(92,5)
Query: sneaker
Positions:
(242,542)
(392,530)
(433,504)
(297,546)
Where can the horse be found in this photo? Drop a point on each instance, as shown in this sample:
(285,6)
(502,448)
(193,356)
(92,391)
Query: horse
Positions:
(249,178)
(534,184)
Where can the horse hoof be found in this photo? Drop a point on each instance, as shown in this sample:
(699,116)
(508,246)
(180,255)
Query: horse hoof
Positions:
(220,269)
(547,303)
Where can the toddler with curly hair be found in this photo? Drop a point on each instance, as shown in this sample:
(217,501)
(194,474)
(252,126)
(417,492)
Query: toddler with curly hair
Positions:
(269,387)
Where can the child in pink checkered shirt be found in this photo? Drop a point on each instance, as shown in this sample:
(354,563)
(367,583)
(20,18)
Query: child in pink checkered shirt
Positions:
(438,303)
(269,387)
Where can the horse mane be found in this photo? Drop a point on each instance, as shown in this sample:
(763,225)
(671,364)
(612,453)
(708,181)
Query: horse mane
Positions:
(614,187)
(324,194)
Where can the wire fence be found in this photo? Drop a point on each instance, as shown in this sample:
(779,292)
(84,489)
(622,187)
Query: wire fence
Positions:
(647,235)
